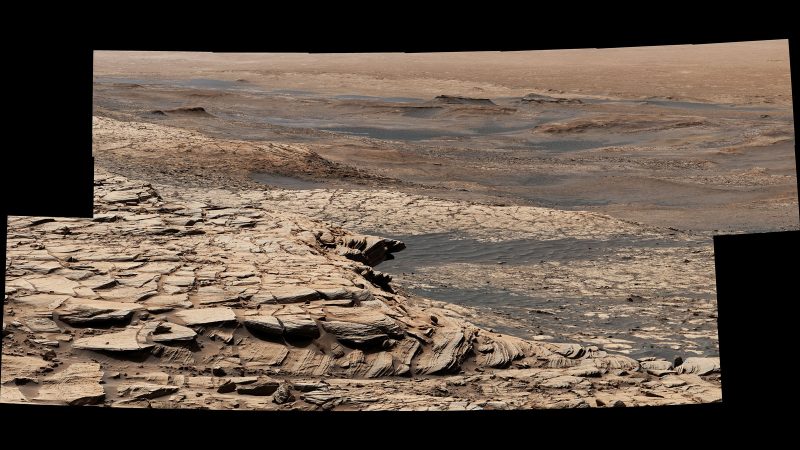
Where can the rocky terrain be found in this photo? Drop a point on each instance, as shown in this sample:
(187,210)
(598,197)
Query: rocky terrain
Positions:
(722,165)
(402,232)
(535,272)
(218,298)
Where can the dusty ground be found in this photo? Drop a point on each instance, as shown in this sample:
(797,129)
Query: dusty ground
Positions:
(722,73)
(543,198)
(692,137)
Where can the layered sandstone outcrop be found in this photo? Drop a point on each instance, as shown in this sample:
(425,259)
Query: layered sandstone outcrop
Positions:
(172,299)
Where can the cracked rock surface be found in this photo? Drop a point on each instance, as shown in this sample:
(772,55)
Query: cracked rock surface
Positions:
(226,299)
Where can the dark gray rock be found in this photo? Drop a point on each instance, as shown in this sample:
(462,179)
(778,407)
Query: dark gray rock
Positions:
(283,394)
(227,387)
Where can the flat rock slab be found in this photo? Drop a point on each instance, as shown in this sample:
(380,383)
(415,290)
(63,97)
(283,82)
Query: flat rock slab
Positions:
(129,293)
(299,326)
(211,295)
(320,397)
(345,293)
(203,316)
(585,370)
(12,394)
(263,386)
(358,325)
(130,339)
(561,382)
(81,311)
(179,280)
(656,365)
(46,302)
(143,391)
(42,325)
(167,302)
(21,368)
(206,382)
(166,332)
(265,324)
(54,284)
(99,282)
(309,386)
(121,196)
(672,381)
(369,316)
(356,334)
(294,294)
(699,366)
(262,353)
(78,384)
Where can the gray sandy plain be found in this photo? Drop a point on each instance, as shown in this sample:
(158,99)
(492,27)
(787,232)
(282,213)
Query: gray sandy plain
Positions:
(402,231)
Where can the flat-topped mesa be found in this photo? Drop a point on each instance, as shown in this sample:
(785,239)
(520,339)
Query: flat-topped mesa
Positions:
(189,110)
(370,250)
(457,100)
(538,98)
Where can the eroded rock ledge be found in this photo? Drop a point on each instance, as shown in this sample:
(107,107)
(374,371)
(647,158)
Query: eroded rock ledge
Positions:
(169,300)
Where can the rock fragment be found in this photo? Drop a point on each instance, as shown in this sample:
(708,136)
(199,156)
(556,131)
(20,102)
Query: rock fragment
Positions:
(263,386)
(83,312)
(283,394)
(128,340)
(144,391)
(205,316)
(699,366)
(78,384)
(264,324)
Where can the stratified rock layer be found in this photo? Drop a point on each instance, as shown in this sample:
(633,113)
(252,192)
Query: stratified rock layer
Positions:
(198,310)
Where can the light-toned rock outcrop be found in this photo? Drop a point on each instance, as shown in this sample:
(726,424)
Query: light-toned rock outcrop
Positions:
(224,301)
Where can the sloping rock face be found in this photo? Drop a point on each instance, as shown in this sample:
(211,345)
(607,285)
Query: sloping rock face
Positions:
(370,250)
(207,299)
(78,384)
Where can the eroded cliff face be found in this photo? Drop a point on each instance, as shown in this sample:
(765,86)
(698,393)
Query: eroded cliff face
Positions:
(213,298)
